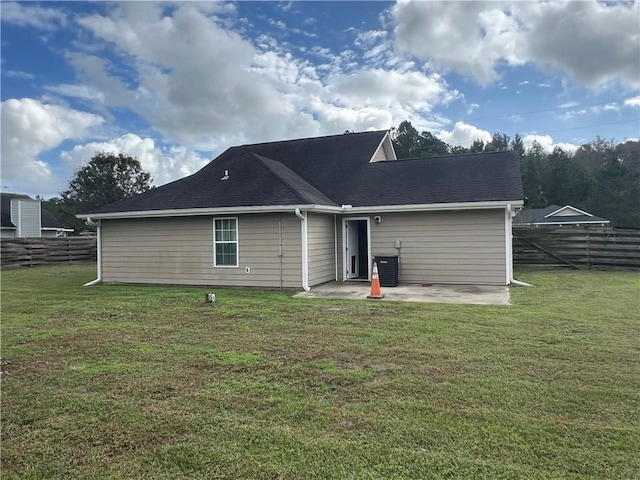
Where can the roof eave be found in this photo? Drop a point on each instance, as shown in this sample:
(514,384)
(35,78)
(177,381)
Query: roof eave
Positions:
(579,222)
(435,206)
(345,209)
(188,212)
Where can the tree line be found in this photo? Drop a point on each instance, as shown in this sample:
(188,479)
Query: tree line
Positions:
(601,177)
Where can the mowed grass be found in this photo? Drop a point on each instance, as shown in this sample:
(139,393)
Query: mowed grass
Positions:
(147,382)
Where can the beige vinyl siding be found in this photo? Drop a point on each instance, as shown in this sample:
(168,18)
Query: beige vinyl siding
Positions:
(380,155)
(456,247)
(179,250)
(384,151)
(321,248)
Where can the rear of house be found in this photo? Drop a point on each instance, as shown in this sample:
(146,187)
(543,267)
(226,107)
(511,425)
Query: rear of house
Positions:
(299,213)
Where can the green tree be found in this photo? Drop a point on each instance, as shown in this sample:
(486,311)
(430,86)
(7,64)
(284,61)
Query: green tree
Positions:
(596,154)
(64,212)
(616,195)
(408,143)
(477,146)
(457,150)
(517,145)
(107,178)
(431,146)
(406,140)
(629,154)
(535,167)
(499,142)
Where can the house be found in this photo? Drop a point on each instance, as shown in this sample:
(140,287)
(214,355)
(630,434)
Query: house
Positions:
(22,216)
(557,216)
(298,213)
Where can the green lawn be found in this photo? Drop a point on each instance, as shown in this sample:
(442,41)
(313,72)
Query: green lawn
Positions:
(147,382)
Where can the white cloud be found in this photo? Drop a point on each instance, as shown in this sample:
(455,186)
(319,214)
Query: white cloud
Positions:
(469,37)
(188,92)
(82,92)
(32,16)
(164,164)
(386,88)
(473,107)
(19,74)
(547,144)
(594,42)
(278,23)
(633,101)
(464,135)
(195,96)
(30,128)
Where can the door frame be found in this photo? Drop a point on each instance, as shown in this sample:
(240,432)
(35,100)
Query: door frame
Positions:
(345,258)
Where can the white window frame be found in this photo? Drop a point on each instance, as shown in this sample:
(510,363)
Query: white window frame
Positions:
(215,243)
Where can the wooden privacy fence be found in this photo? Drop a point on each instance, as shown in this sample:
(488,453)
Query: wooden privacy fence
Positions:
(581,248)
(29,252)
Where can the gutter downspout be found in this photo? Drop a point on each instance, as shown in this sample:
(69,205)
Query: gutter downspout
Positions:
(280,253)
(304,249)
(99,247)
(335,243)
(508,237)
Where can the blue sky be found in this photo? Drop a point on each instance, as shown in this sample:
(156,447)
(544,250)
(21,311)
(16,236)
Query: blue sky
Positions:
(176,83)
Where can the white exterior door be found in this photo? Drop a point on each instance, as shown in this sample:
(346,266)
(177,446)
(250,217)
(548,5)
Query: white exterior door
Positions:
(357,246)
(353,258)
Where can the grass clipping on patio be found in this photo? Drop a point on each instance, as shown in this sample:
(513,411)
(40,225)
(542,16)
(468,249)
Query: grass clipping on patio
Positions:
(133,382)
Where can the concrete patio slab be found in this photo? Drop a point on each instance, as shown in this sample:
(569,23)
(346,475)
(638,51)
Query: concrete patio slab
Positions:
(462,294)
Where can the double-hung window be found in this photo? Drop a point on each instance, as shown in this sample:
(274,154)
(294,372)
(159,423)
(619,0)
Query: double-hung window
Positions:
(225,242)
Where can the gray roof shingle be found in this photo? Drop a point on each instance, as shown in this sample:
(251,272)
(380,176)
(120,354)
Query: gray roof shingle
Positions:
(333,171)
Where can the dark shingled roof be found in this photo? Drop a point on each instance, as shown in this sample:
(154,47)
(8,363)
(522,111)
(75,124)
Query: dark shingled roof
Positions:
(537,215)
(333,171)
(47,220)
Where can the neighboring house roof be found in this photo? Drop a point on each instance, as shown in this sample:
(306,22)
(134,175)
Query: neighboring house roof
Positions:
(332,171)
(556,215)
(47,220)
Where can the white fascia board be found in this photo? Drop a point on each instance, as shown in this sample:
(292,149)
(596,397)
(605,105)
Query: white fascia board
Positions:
(309,208)
(564,208)
(190,212)
(541,224)
(434,207)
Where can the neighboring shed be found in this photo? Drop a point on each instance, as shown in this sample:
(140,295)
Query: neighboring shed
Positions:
(555,215)
(299,213)
(22,216)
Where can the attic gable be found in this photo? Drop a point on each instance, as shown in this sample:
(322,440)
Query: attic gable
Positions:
(567,211)
(385,150)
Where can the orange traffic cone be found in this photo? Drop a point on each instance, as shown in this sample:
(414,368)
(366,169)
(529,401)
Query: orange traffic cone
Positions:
(375,283)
